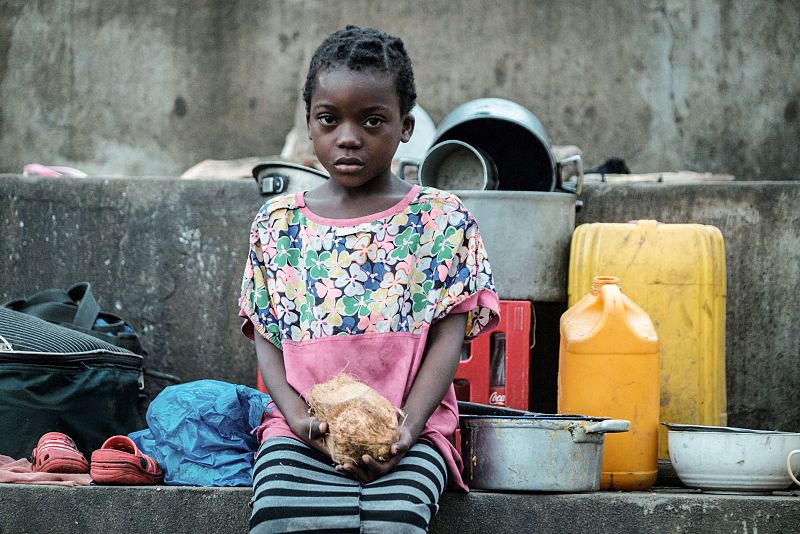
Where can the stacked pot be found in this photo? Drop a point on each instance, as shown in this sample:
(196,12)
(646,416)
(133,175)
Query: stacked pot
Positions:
(496,155)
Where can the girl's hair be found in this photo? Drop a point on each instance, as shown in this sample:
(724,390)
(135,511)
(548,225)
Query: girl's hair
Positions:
(360,49)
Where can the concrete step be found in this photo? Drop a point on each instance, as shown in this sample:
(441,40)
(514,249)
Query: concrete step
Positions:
(26,509)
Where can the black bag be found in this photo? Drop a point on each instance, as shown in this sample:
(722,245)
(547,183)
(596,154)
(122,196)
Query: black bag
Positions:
(58,379)
(76,308)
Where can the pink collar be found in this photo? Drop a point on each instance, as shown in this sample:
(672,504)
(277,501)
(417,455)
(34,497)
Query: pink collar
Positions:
(394,210)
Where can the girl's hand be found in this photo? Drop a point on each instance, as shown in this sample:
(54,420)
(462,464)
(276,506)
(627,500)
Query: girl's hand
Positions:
(312,431)
(293,407)
(371,469)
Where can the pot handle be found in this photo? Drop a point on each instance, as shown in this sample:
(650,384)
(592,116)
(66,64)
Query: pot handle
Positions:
(578,187)
(789,466)
(402,163)
(608,426)
(271,183)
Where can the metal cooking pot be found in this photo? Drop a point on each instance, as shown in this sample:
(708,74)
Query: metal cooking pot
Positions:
(457,165)
(535,453)
(515,139)
(527,236)
(276,177)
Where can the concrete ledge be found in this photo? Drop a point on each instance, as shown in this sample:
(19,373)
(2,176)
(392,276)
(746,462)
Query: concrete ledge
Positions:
(133,510)
(167,255)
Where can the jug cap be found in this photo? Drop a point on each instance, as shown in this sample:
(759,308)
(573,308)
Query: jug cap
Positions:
(600,281)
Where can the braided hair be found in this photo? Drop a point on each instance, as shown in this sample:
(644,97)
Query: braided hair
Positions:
(360,49)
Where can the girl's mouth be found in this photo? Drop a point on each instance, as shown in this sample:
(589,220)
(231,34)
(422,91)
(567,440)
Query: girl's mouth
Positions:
(348,165)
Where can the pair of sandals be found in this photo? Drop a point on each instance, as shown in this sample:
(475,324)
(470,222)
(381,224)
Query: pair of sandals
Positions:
(76,308)
(118,461)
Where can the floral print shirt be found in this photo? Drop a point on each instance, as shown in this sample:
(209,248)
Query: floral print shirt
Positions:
(360,294)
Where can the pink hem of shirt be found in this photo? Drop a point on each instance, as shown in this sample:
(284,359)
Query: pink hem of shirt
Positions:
(394,210)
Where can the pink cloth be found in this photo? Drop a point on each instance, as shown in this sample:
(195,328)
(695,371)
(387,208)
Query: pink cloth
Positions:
(19,472)
(313,362)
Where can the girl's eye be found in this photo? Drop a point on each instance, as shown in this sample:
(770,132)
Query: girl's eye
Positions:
(373,122)
(327,120)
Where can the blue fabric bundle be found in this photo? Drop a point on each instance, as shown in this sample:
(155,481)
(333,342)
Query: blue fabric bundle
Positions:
(200,433)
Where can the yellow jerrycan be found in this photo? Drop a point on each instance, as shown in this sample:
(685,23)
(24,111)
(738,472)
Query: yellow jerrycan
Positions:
(609,366)
(676,273)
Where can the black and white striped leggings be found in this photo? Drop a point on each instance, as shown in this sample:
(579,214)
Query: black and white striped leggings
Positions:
(296,489)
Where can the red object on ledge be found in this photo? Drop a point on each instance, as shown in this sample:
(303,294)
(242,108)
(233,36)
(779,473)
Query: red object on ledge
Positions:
(472,380)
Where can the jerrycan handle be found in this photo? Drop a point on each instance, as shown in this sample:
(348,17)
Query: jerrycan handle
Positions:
(608,288)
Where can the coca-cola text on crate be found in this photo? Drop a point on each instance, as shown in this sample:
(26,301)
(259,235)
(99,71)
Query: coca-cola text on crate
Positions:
(497,370)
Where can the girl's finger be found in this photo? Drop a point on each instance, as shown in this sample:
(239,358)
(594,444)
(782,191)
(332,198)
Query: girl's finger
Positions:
(316,428)
(399,447)
(370,463)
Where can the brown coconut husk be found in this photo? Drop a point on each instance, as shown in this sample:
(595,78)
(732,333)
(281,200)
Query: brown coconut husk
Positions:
(360,420)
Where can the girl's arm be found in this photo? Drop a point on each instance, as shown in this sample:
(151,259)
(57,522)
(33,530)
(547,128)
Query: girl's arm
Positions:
(289,402)
(434,378)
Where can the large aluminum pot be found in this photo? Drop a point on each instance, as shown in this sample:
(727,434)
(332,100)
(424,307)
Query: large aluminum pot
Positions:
(515,139)
(527,236)
(535,453)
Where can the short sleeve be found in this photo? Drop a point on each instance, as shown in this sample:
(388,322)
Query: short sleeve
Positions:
(254,302)
(468,286)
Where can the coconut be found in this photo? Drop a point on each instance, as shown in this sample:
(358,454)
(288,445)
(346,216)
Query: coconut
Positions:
(360,420)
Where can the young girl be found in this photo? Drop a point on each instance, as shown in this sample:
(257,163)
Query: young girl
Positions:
(367,275)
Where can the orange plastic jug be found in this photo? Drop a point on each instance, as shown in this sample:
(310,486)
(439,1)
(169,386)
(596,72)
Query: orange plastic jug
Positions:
(609,366)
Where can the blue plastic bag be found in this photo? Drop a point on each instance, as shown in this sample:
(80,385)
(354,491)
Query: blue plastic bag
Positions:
(200,433)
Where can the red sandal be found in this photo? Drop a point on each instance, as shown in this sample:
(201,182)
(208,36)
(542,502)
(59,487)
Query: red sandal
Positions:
(56,453)
(119,461)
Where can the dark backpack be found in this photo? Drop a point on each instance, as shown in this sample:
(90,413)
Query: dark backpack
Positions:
(54,378)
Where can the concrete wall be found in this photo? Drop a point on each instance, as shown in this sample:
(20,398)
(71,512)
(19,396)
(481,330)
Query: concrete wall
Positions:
(153,87)
(168,256)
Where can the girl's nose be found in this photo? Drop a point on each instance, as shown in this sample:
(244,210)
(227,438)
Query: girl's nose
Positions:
(349,136)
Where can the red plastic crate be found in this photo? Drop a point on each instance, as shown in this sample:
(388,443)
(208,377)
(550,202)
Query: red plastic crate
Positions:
(515,323)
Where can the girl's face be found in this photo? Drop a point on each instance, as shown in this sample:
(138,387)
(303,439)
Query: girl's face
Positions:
(355,125)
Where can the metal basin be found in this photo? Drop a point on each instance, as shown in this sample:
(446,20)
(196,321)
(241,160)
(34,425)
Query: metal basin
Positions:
(716,458)
(534,453)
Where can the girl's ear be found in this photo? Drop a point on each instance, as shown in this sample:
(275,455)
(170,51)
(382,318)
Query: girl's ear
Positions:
(408,128)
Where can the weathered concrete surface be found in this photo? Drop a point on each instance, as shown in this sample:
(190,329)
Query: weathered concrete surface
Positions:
(168,254)
(182,509)
(151,88)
